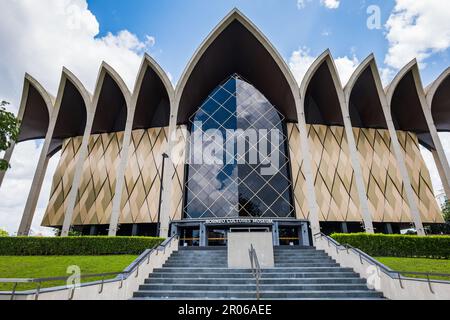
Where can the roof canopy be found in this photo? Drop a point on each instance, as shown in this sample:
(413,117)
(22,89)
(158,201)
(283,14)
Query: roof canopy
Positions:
(440,101)
(322,104)
(366,110)
(235,46)
(36,111)
(153,92)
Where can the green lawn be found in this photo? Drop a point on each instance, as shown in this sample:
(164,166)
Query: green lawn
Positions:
(418,265)
(56,266)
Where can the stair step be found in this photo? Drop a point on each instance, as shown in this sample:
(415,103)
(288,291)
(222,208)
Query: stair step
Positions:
(277,265)
(301,256)
(300,273)
(355,294)
(252,281)
(304,265)
(308,259)
(195,265)
(252,287)
(248,275)
(274,270)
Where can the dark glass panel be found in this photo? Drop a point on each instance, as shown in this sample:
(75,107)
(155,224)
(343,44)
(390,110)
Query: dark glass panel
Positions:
(239,190)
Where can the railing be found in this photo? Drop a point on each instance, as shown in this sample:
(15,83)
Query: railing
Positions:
(394,274)
(120,276)
(256,269)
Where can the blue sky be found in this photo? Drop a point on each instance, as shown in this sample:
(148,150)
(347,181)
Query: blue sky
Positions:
(180,26)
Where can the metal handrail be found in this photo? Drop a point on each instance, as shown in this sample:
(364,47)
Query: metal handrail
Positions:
(120,276)
(394,274)
(256,269)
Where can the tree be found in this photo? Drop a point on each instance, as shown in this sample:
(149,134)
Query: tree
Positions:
(445,227)
(3,233)
(9,131)
(446,211)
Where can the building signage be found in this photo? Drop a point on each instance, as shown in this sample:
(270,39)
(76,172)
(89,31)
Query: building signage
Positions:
(239,221)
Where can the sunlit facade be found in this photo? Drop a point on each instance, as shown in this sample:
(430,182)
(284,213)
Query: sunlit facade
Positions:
(348,157)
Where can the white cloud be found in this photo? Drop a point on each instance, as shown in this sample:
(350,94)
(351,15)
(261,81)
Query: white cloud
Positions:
(330,4)
(346,66)
(387,75)
(301,4)
(417,29)
(17,184)
(40,37)
(301,60)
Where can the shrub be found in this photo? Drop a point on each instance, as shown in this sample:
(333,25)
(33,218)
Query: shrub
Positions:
(3,233)
(379,245)
(69,246)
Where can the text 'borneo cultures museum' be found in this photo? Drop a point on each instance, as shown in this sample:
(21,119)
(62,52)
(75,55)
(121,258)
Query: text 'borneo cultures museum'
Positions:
(148,161)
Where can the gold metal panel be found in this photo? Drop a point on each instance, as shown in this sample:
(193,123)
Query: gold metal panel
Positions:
(335,182)
(334,177)
(178,162)
(140,196)
(298,177)
(62,183)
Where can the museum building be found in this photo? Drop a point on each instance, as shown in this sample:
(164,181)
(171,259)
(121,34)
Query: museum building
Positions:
(349,157)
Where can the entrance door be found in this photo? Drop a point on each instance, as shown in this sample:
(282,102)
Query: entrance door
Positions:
(217,236)
(289,235)
(190,236)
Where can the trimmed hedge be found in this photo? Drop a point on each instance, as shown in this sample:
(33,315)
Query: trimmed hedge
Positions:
(379,245)
(70,246)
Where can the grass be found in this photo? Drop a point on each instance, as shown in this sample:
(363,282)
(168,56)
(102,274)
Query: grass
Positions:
(56,266)
(418,265)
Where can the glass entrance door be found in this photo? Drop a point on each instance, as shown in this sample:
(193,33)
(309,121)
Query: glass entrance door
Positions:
(217,236)
(190,237)
(289,235)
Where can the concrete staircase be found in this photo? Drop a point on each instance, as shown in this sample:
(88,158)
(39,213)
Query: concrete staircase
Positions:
(299,273)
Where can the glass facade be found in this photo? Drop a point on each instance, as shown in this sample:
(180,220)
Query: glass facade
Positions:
(225,180)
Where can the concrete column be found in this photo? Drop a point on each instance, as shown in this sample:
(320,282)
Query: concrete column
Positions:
(399,155)
(389,228)
(7,158)
(174,230)
(120,182)
(275,233)
(305,235)
(203,235)
(169,171)
(360,185)
(36,186)
(134,230)
(441,173)
(81,158)
(93,230)
(309,175)
(344,227)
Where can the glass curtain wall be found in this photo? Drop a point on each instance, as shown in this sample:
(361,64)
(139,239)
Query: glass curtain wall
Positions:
(230,183)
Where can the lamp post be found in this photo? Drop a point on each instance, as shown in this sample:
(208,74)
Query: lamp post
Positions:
(165,156)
